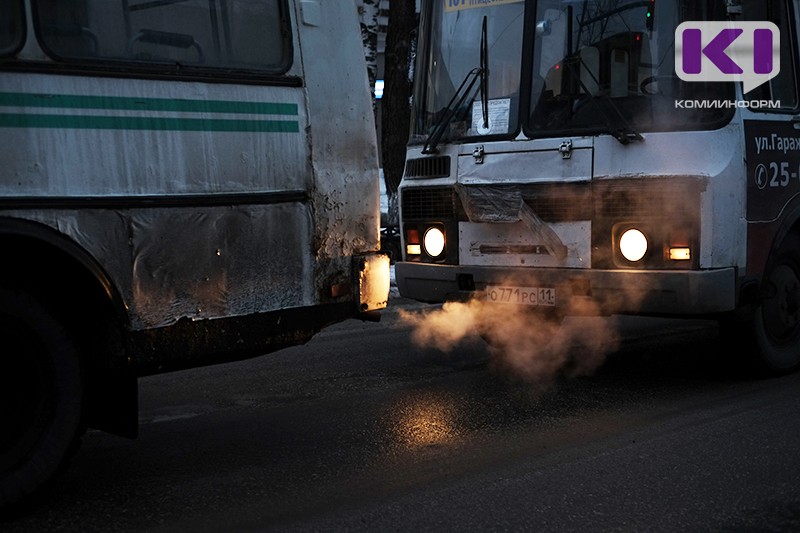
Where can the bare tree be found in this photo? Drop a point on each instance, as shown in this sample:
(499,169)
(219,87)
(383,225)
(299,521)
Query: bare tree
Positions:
(368,15)
(395,109)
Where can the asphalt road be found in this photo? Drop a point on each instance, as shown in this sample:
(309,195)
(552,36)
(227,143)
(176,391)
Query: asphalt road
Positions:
(362,430)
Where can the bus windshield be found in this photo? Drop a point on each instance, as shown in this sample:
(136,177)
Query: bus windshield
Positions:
(596,66)
(451,51)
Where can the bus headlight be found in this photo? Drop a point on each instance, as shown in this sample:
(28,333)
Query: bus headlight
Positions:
(633,245)
(433,241)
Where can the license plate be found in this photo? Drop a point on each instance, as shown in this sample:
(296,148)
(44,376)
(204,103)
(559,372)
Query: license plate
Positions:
(521,295)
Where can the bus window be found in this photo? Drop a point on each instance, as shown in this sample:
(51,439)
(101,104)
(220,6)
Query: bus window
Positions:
(598,63)
(590,69)
(238,34)
(782,87)
(12,28)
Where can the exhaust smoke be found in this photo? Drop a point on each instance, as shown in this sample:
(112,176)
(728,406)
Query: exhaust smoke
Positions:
(530,344)
(528,226)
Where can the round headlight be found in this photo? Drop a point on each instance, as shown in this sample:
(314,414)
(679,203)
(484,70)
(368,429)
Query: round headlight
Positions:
(433,242)
(633,245)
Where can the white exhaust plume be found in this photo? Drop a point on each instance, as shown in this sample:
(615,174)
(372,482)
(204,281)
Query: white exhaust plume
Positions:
(532,346)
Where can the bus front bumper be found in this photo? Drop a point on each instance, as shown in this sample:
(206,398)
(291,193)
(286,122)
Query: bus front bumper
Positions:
(577,291)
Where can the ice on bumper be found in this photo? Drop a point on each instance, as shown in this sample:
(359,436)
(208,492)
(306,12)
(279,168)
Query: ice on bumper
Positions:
(373,282)
(499,205)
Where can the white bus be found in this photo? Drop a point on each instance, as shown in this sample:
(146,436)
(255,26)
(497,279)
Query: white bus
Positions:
(182,182)
(558,162)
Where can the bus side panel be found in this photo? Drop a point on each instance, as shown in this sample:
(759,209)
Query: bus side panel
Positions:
(83,136)
(197,262)
(110,154)
(342,129)
(773,184)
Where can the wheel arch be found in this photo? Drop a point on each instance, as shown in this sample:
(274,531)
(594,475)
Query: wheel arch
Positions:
(67,278)
(774,336)
(42,241)
(789,223)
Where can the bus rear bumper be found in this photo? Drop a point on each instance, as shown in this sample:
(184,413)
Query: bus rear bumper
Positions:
(661,292)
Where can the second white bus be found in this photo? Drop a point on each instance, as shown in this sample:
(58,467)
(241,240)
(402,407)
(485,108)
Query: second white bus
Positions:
(182,182)
(558,162)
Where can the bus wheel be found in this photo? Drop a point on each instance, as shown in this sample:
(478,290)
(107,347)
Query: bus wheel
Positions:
(41,391)
(777,320)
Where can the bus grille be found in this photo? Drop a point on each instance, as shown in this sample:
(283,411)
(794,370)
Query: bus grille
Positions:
(428,167)
(651,200)
(623,200)
(559,203)
(428,203)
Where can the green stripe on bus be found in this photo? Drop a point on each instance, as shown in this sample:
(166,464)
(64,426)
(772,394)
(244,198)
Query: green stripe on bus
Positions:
(14,120)
(121,103)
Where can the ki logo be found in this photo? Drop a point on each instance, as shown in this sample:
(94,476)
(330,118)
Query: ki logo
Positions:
(728,51)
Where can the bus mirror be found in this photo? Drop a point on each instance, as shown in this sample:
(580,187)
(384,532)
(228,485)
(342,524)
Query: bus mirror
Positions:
(543,28)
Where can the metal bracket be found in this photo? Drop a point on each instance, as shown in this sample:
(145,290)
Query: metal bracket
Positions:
(478,154)
(734,7)
(565,150)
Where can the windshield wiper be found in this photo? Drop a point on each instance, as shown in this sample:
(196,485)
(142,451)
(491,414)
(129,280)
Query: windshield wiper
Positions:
(485,75)
(449,112)
(621,130)
(461,94)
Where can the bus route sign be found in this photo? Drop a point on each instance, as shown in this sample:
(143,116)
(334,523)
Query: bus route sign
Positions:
(458,5)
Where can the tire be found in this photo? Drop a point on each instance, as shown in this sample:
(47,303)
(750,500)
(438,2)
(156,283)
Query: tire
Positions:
(41,391)
(776,325)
